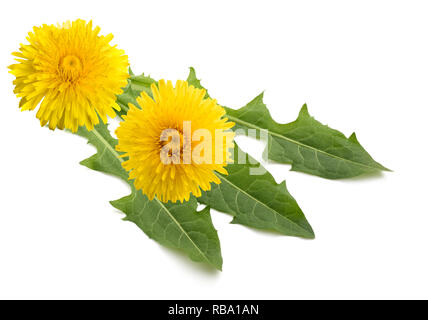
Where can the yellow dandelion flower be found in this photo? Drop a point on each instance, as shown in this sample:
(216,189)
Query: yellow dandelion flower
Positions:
(175,142)
(74,72)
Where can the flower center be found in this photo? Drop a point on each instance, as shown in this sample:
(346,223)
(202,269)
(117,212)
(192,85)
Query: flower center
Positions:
(172,146)
(70,68)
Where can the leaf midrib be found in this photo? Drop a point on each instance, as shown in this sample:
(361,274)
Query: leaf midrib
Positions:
(106,144)
(262,203)
(298,142)
(181,228)
(110,148)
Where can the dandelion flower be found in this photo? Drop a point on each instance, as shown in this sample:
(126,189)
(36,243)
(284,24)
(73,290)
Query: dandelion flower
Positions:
(176,142)
(73,71)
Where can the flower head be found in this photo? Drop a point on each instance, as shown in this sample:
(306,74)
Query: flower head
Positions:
(175,142)
(74,72)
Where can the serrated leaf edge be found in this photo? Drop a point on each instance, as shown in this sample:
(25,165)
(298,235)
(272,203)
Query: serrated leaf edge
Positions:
(303,112)
(310,233)
(119,158)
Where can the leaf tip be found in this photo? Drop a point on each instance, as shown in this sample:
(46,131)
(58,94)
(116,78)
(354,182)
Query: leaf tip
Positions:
(304,111)
(383,168)
(353,138)
(205,210)
(234,221)
(192,75)
(258,99)
(311,236)
(114,203)
(86,163)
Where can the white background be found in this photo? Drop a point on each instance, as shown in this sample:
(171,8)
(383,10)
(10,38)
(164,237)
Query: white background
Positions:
(360,65)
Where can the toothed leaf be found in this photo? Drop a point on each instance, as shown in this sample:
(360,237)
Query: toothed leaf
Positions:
(257,200)
(177,225)
(306,144)
(136,85)
(174,225)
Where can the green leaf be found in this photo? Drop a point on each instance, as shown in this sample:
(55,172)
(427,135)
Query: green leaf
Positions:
(306,144)
(257,200)
(136,85)
(249,197)
(192,80)
(177,226)
(107,159)
(142,83)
